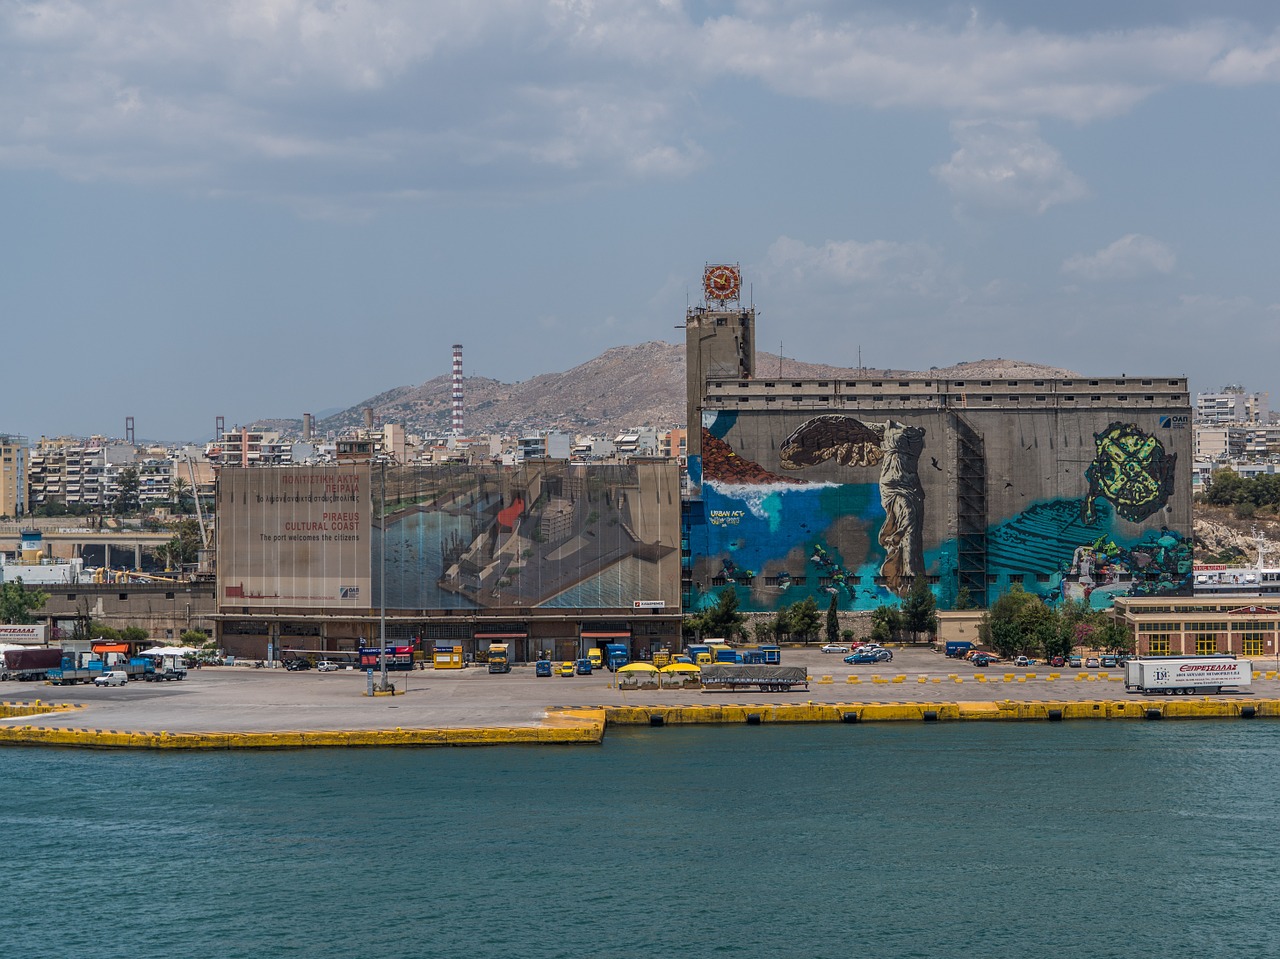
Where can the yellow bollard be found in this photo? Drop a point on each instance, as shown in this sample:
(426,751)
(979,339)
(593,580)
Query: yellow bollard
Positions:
(854,679)
(923,679)
(825,681)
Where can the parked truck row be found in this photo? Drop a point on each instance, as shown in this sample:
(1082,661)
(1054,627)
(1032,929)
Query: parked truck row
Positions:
(64,668)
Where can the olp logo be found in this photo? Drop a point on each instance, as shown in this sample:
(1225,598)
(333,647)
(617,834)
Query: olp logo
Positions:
(1175,421)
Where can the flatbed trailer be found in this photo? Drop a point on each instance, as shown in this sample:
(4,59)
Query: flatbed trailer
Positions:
(743,676)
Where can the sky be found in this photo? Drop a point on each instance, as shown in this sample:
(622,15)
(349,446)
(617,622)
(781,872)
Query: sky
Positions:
(260,208)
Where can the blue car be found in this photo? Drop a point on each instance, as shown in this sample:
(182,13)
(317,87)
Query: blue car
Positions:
(542,667)
(584,667)
(862,659)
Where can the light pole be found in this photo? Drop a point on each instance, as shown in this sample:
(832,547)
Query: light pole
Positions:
(382,585)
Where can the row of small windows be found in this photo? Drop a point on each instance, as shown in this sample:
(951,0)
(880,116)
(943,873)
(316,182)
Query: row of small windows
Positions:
(1207,627)
(1207,646)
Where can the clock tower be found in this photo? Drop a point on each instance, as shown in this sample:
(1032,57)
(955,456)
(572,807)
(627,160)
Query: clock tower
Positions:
(720,341)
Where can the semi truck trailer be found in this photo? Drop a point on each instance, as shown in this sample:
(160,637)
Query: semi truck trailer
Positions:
(1187,675)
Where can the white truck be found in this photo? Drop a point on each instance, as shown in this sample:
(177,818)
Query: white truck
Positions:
(1186,674)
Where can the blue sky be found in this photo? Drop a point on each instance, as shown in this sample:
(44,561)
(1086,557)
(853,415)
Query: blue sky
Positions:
(265,207)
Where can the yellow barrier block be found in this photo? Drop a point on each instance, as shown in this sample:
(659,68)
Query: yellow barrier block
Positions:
(825,681)
(1090,677)
(879,681)
(980,678)
(1030,675)
(1022,679)
(1104,675)
(1008,677)
(1271,674)
(1257,674)
(937,679)
(923,679)
(959,680)
(899,679)
(1080,677)
(853,679)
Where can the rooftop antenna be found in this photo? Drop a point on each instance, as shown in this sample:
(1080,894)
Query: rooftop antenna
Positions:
(779,359)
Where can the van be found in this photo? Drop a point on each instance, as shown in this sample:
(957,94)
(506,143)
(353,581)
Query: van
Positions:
(596,658)
(116,677)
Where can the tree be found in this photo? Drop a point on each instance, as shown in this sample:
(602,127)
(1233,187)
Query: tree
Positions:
(179,489)
(833,621)
(1005,623)
(920,610)
(886,624)
(723,620)
(17,603)
(133,634)
(127,485)
(1114,637)
(762,630)
(184,548)
(804,619)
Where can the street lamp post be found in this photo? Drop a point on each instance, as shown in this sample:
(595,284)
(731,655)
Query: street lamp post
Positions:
(382,573)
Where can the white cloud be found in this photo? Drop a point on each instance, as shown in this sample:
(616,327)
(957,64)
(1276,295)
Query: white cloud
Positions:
(1006,167)
(880,264)
(1130,257)
(418,97)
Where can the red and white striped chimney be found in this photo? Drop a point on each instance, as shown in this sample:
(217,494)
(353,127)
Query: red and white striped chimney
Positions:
(457,388)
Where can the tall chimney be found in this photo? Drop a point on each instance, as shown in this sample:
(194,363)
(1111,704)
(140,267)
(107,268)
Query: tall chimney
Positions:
(307,426)
(457,388)
(368,417)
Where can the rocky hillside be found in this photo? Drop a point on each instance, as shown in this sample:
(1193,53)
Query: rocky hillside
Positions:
(1222,538)
(624,387)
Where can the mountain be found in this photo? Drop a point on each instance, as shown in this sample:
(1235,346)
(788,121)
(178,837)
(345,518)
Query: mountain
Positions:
(622,388)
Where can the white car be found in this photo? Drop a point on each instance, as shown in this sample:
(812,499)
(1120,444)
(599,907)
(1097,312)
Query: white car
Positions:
(116,677)
(325,666)
(835,648)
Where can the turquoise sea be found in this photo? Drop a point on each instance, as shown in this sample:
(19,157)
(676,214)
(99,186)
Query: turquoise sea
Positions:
(952,840)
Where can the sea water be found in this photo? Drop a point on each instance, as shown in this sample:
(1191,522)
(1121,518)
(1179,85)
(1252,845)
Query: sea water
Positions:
(968,839)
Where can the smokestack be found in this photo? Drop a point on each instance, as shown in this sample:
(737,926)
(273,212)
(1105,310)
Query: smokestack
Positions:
(307,427)
(457,388)
(368,417)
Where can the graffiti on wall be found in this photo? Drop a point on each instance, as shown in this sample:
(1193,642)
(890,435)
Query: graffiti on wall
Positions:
(896,448)
(1130,469)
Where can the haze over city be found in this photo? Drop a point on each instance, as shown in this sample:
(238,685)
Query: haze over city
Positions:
(260,209)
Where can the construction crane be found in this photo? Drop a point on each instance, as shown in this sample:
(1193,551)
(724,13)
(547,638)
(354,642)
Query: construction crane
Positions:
(206,548)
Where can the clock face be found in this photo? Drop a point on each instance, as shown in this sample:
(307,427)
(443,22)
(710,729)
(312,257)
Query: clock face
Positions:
(722,282)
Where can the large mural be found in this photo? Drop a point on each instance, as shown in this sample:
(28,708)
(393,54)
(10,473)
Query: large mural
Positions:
(544,534)
(858,507)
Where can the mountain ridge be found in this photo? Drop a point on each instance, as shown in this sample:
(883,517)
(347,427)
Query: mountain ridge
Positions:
(625,387)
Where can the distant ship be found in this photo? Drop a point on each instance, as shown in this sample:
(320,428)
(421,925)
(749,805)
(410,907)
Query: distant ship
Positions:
(1219,579)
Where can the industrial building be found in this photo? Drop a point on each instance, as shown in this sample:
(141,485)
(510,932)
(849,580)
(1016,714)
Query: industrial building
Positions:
(549,557)
(853,488)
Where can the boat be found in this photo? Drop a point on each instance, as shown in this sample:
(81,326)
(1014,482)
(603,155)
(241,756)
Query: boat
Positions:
(1221,579)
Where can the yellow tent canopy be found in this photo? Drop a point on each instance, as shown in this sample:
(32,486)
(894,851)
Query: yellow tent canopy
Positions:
(638,668)
(680,668)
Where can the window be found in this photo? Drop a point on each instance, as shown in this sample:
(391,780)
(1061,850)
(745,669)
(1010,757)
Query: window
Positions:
(1206,644)
(1252,645)
(1159,645)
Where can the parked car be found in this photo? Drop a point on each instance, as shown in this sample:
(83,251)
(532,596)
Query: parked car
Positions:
(835,648)
(116,677)
(297,664)
(567,669)
(982,659)
(584,667)
(1024,661)
(881,654)
(1075,662)
(1058,661)
(327,666)
(1109,662)
(542,667)
(862,658)
(1091,662)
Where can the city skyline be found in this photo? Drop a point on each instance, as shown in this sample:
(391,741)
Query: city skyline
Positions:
(258,210)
